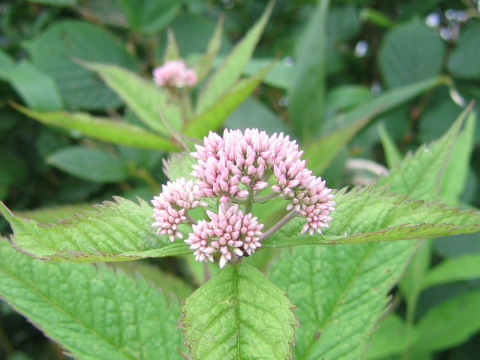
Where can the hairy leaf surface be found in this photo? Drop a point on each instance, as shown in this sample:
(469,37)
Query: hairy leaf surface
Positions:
(238,314)
(95,313)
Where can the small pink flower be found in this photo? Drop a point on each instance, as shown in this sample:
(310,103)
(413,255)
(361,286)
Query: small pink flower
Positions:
(171,205)
(175,74)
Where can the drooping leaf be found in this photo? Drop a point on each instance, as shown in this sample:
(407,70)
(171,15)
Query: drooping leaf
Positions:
(238,314)
(37,89)
(115,132)
(461,268)
(308,88)
(113,231)
(449,323)
(389,339)
(392,154)
(58,50)
(341,290)
(212,118)
(93,312)
(410,53)
(231,70)
(142,96)
(322,151)
(91,164)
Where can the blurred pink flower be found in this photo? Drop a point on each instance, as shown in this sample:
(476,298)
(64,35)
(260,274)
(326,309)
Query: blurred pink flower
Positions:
(175,74)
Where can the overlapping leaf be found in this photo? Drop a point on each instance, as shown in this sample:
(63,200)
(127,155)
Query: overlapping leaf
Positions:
(113,231)
(95,313)
(238,314)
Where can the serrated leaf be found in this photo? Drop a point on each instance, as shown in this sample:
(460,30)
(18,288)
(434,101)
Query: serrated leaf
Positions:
(449,324)
(212,118)
(115,132)
(322,151)
(369,214)
(308,88)
(204,65)
(142,96)
(238,314)
(342,290)
(461,268)
(58,50)
(93,312)
(90,164)
(231,70)
(113,231)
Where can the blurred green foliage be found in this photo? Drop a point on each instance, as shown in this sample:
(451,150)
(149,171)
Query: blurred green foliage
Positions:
(325,72)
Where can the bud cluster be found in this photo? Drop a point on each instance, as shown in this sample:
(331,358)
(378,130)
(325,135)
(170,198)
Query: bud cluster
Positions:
(240,169)
(175,74)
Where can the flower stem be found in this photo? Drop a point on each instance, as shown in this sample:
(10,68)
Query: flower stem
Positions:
(278,225)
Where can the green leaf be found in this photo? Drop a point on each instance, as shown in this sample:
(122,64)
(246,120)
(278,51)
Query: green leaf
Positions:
(462,62)
(341,290)
(142,96)
(389,339)
(56,2)
(204,65)
(115,132)
(281,75)
(308,88)
(322,151)
(410,53)
(150,16)
(238,314)
(37,89)
(393,156)
(369,215)
(231,70)
(90,164)
(171,52)
(212,118)
(92,311)
(450,323)
(51,214)
(461,268)
(113,231)
(57,51)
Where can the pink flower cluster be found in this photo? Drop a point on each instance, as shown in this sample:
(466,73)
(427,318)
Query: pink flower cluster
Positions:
(175,74)
(229,233)
(237,168)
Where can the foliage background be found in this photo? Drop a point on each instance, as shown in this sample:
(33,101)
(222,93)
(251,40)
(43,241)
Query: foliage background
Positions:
(371,47)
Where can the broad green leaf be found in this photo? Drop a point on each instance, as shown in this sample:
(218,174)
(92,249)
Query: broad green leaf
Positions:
(231,70)
(450,323)
(113,231)
(370,215)
(238,314)
(204,65)
(171,52)
(308,88)
(58,50)
(322,151)
(92,311)
(393,156)
(115,132)
(345,97)
(37,89)
(461,268)
(150,16)
(389,339)
(142,96)
(6,62)
(410,53)
(51,214)
(90,164)
(281,75)
(462,62)
(212,118)
(341,291)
